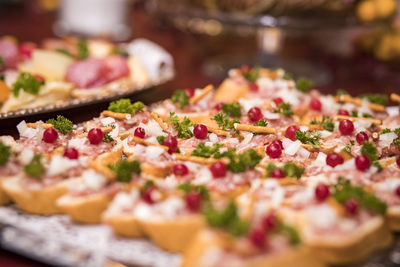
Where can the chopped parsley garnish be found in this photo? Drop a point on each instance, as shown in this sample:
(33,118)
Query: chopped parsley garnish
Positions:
(5,152)
(180,97)
(340,92)
(160,139)
(326,123)
(182,127)
(240,162)
(204,151)
(366,115)
(125,106)
(344,191)
(61,124)
(2,63)
(303,84)
(26,82)
(232,110)
(124,170)
(379,99)
(290,232)
(261,122)
(311,138)
(201,189)
(377,165)
(354,113)
(369,150)
(397,131)
(252,74)
(64,52)
(287,77)
(290,169)
(347,149)
(35,168)
(107,138)
(396,142)
(83,49)
(386,130)
(224,122)
(227,218)
(285,109)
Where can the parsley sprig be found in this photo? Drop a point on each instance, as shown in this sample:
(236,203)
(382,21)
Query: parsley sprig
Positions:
(5,152)
(204,151)
(83,49)
(251,74)
(35,168)
(232,110)
(326,123)
(224,122)
(344,191)
(285,109)
(227,218)
(369,150)
(240,162)
(26,82)
(379,99)
(124,170)
(311,138)
(125,105)
(182,127)
(261,122)
(304,85)
(290,169)
(61,124)
(201,189)
(107,138)
(180,97)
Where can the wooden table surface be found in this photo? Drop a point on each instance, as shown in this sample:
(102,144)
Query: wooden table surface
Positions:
(355,74)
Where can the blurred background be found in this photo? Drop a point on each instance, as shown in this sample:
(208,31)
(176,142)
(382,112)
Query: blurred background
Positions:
(348,44)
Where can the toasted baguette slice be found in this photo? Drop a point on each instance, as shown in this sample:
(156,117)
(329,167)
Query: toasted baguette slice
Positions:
(393,215)
(4,198)
(41,201)
(209,243)
(123,224)
(173,234)
(229,91)
(355,247)
(84,209)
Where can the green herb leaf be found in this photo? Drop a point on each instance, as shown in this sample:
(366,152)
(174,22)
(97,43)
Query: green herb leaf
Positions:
(344,191)
(124,170)
(396,142)
(377,165)
(232,110)
(180,97)
(160,139)
(287,77)
(340,92)
(386,130)
(397,131)
(354,113)
(26,82)
(347,149)
(270,167)
(369,150)
(107,138)
(309,138)
(292,170)
(366,115)
(64,52)
(124,105)
(35,168)
(61,124)
(379,99)
(204,151)
(5,152)
(285,109)
(2,63)
(224,122)
(183,127)
(303,84)
(240,162)
(252,74)
(83,49)
(201,189)
(261,122)
(291,233)
(326,123)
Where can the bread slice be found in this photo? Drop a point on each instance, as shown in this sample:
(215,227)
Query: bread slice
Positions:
(125,225)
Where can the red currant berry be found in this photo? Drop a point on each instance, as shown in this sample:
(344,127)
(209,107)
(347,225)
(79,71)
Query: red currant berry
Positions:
(50,135)
(362,162)
(315,104)
(398,161)
(397,191)
(277,173)
(95,136)
(180,170)
(189,92)
(346,127)
(257,238)
(26,49)
(71,153)
(253,87)
(218,169)
(278,100)
(279,142)
(255,114)
(322,192)
(334,159)
(274,150)
(139,132)
(171,143)
(269,222)
(291,132)
(200,131)
(147,195)
(343,112)
(361,137)
(193,201)
(218,106)
(351,206)
(245,68)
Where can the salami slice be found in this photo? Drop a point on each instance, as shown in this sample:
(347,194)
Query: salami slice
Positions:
(88,73)
(9,52)
(118,67)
